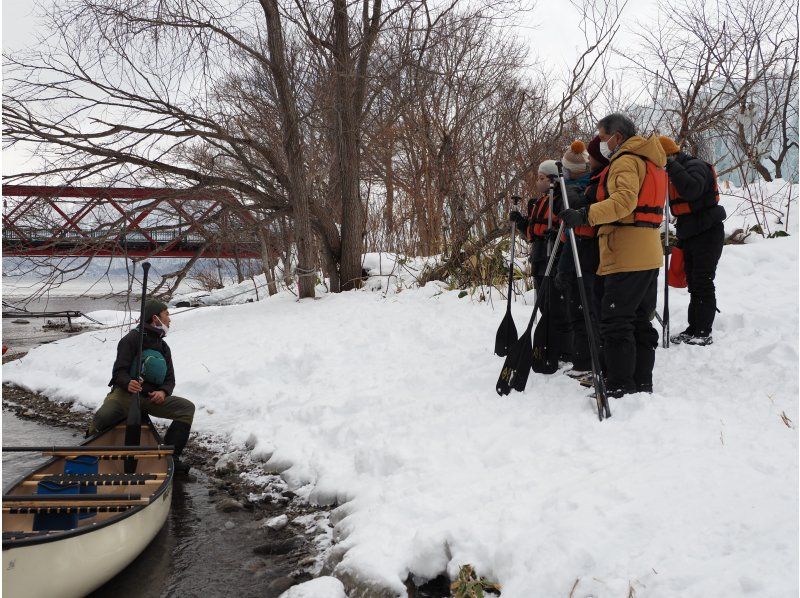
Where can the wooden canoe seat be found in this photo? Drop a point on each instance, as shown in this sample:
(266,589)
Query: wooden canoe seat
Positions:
(60,510)
(49,503)
(77,498)
(98,479)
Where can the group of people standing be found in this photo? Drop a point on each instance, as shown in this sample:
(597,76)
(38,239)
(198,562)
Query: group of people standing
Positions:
(618,186)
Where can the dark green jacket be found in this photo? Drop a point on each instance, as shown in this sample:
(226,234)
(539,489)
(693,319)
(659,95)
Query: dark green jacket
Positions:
(126,355)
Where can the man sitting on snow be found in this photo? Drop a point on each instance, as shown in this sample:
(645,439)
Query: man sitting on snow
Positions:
(156,383)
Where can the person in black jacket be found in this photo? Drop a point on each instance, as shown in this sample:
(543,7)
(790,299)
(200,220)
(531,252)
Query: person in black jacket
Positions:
(543,237)
(156,383)
(694,200)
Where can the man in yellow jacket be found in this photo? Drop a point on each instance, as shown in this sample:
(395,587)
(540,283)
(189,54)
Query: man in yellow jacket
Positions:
(628,215)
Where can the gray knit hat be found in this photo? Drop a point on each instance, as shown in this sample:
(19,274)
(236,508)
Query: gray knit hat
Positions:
(549,168)
(153,307)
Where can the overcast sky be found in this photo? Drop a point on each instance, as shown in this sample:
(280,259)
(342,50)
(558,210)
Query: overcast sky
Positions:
(550,30)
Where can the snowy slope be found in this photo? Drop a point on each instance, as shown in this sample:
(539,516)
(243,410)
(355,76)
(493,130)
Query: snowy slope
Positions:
(386,405)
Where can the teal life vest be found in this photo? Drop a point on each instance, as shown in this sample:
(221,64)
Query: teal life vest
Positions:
(154,367)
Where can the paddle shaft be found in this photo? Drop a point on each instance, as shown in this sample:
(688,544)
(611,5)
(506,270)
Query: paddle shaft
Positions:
(133,430)
(511,266)
(550,221)
(603,409)
(665,318)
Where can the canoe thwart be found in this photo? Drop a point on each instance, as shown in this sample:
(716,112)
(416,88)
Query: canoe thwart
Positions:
(90,449)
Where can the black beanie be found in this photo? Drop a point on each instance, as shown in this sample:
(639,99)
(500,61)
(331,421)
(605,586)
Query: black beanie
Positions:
(153,307)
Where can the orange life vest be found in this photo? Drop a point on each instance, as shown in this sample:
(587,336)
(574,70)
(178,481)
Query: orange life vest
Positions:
(649,209)
(537,219)
(681,207)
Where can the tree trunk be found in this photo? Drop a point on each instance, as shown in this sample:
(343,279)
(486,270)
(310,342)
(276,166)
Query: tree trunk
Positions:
(388,181)
(267,261)
(348,153)
(293,147)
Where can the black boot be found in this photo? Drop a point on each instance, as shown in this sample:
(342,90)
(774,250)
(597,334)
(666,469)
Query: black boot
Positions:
(178,435)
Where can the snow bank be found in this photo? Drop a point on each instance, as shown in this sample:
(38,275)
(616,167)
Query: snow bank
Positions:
(322,587)
(385,405)
(761,203)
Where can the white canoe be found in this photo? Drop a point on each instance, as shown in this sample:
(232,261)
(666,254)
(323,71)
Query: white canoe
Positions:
(128,511)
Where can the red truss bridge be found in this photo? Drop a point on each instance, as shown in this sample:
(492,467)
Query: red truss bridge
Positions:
(125,222)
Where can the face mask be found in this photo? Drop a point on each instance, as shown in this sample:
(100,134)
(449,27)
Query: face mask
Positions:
(161,326)
(604,150)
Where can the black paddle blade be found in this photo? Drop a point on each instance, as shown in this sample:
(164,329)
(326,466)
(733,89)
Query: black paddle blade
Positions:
(506,336)
(516,367)
(545,348)
(133,431)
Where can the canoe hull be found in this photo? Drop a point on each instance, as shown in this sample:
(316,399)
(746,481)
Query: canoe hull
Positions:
(77,565)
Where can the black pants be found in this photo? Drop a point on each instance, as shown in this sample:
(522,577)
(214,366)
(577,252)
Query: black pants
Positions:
(701,255)
(629,339)
(558,305)
(589,257)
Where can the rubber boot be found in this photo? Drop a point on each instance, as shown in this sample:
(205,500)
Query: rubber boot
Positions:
(178,435)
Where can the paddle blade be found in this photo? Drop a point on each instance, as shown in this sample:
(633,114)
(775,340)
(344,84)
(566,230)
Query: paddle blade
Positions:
(133,431)
(545,348)
(516,367)
(506,336)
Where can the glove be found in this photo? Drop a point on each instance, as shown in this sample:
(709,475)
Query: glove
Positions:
(561,281)
(517,219)
(573,218)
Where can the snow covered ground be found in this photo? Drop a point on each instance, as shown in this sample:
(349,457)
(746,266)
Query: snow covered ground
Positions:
(384,404)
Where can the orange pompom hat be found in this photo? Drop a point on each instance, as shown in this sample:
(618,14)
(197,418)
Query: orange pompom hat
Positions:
(670,147)
(576,158)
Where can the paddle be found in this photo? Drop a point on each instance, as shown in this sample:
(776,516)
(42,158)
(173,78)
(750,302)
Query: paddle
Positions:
(518,363)
(667,250)
(507,332)
(545,349)
(133,427)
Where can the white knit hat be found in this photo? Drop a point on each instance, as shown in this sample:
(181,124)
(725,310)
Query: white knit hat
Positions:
(549,168)
(576,158)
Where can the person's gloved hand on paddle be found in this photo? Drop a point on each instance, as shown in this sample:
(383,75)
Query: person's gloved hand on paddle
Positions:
(573,218)
(517,218)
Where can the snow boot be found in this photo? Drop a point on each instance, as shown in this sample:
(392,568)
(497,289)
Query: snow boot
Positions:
(578,374)
(700,340)
(616,393)
(178,435)
(677,339)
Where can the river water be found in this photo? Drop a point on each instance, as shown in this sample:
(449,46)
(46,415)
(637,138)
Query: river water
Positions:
(200,551)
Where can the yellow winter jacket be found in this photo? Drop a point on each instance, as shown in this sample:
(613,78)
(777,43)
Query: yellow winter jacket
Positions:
(627,248)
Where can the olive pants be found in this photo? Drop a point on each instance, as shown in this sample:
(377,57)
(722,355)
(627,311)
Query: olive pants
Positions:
(117,402)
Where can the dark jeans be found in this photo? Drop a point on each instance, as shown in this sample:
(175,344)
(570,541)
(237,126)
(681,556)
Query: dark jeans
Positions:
(629,339)
(701,254)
